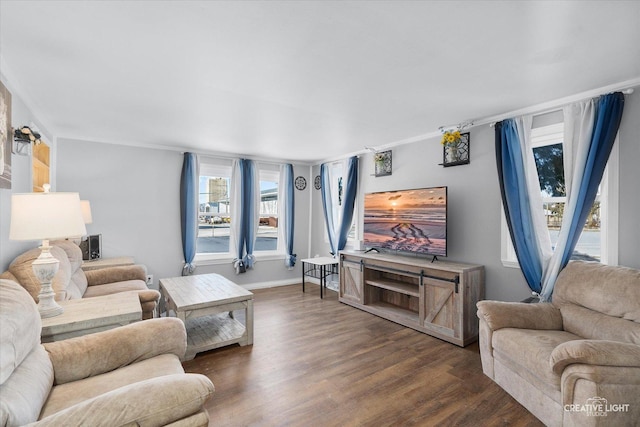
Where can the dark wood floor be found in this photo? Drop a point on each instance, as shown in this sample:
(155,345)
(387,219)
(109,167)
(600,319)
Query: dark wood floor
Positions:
(322,363)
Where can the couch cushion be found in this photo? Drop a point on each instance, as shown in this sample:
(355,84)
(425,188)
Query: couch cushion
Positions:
(77,280)
(73,251)
(77,285)
(24,393)
(21,268)
(26,373)
(68,394)
(593,325)
(112,288)
(20,326)
(612,290)
(527,352)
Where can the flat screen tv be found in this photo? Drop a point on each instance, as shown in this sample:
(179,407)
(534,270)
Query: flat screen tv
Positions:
(407,221)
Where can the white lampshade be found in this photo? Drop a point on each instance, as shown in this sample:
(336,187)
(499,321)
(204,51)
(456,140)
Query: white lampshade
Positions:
(86,211)
(46,216)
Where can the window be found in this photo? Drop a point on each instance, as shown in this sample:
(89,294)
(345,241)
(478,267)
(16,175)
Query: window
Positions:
(598,239)
(215,215)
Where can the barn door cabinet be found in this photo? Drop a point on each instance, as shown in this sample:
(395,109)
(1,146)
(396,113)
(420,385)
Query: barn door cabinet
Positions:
(437,298)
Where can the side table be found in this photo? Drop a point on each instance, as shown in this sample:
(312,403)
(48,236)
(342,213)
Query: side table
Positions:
(88,315)
(99,263)
(319,270)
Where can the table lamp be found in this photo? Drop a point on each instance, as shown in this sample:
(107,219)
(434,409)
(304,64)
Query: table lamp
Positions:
(46,216)
(86,211)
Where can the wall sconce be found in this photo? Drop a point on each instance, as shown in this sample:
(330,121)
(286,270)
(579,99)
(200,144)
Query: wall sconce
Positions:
(22,138)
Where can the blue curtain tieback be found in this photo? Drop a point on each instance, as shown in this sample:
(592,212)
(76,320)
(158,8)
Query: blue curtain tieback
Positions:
(238,264)
(290,260)
(249,260)
(188,269)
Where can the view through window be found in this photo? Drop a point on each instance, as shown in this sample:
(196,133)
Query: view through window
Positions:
(215,216)
(548,155)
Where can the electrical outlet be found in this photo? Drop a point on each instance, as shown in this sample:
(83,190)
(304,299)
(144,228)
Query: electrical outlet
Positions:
(149,279)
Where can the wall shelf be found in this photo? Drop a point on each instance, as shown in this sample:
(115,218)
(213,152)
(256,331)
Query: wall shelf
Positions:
(40,167)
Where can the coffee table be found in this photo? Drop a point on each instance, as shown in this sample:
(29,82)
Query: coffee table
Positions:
(202,302)
(88,315)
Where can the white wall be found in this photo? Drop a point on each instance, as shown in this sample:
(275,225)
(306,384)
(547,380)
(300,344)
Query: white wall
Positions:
(474,200)
(134,195)
(21,181)
(629,219)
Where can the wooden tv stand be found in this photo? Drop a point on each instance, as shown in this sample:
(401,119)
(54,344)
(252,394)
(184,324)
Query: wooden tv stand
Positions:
(436,298)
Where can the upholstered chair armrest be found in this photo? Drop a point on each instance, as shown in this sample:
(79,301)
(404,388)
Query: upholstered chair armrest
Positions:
(148,295)
(499,314)
(153,402)
(95,354)
(594,352)
(116,274)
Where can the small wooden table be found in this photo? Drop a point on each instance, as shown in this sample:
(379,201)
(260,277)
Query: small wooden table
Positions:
(96,264)
(322,263)
(202,302)
(88,315)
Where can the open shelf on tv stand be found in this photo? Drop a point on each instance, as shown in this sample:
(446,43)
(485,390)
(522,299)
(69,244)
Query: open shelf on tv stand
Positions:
(437,298)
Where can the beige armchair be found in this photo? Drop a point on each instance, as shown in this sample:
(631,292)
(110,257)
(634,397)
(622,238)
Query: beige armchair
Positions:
(80,284)
(128,376)
(576,361)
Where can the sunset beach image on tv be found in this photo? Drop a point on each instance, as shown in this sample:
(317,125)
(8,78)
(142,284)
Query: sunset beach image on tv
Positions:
(407,220)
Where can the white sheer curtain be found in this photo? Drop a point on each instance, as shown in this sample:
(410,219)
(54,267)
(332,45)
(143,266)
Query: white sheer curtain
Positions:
(286,217)
(535,194)
(579,119)
(235,206)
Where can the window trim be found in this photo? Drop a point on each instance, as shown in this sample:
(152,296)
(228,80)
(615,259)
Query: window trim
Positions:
(609,205)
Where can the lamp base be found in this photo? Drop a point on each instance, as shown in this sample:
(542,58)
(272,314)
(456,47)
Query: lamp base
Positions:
(45,268)
(52,311)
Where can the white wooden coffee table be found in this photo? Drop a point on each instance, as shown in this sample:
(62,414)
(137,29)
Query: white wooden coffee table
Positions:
(202,302)
(88,315)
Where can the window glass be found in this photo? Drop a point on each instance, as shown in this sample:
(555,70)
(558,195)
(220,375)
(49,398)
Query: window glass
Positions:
(267,239)
(214,216)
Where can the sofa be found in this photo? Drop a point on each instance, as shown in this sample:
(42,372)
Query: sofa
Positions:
(574,361)
(127,376)
(76,283)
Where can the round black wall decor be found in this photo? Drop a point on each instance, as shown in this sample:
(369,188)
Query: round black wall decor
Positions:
(301,183)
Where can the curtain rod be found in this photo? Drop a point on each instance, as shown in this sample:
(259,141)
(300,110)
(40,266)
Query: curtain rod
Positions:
(233,157)
(548,109)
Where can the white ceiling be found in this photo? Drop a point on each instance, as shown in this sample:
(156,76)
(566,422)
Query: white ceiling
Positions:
(308,80)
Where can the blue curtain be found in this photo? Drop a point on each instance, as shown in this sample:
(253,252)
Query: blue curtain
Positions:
(249,209)
(515,200)
(189,210)
(339,232)
(349,202)
(607,121)
(541,273)
(289,207)
(248,215)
